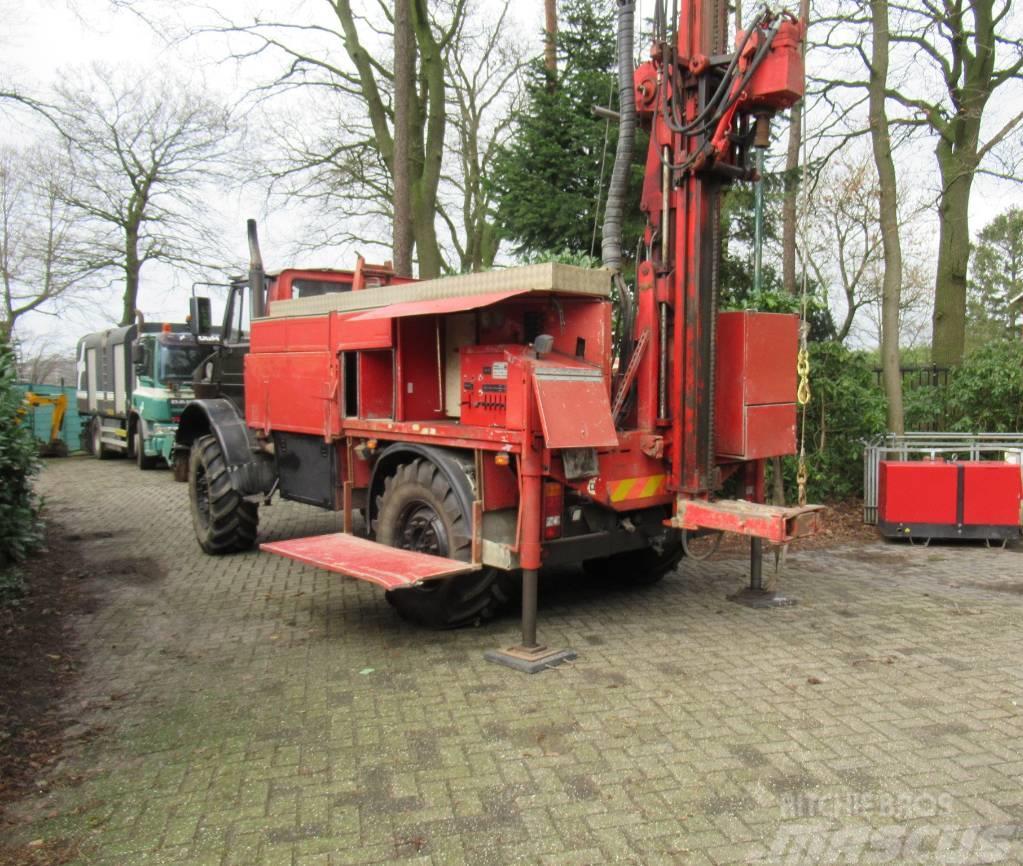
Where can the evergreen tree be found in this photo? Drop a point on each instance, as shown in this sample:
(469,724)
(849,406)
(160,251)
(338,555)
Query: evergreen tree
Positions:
(997,278)
(547,177)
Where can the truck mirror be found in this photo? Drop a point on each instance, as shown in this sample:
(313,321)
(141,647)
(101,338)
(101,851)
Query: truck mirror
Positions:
(199,317)
(138,354)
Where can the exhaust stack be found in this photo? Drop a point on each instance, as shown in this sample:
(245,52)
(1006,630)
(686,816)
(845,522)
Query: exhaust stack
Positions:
(257,280)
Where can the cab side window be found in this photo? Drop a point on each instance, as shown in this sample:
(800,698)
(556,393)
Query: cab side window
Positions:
(239,323)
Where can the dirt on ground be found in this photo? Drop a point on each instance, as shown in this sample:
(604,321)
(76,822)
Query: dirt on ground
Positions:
(38,662)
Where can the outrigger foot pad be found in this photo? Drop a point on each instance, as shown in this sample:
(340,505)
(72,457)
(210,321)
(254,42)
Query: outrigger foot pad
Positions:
(529,660)
(762,598)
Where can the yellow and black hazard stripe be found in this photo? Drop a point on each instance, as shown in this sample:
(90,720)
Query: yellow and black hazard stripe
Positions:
(637,488)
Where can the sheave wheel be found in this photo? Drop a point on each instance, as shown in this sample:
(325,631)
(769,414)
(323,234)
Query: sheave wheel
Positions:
(99,450)
(637,567)
(223,521)
(419,511)
(141,459)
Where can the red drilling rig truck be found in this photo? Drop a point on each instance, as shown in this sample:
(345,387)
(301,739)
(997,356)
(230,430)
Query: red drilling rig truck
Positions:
(476,428)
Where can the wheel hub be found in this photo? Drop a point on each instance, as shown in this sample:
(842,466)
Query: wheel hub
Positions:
(422,530)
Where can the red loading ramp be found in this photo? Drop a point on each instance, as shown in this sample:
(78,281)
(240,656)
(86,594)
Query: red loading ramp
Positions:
(389,567)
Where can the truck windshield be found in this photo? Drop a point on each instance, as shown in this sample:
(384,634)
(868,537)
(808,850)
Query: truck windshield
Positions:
(178,362)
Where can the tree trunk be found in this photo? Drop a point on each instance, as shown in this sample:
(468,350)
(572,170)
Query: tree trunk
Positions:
(789,222)
(401,170)
(789,210)
(424,212)
(880,139)
(132,267)
(793,178)
(434,110)
(550,37)
(953,258)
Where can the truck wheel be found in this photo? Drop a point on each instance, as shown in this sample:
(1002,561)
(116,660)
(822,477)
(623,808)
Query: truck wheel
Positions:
(99,450)
(419,511)
(142,460)
(224,522)
(636,567)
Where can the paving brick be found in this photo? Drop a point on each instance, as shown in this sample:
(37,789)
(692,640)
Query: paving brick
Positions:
(248,730)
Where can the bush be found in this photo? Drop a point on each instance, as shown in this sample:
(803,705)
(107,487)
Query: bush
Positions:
(985,394)
(20,529)
(846,407)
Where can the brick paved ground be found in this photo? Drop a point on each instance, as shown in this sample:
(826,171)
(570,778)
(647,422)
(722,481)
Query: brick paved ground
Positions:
(250,710)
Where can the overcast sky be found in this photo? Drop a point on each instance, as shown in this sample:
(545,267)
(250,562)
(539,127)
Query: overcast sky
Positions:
(47,39)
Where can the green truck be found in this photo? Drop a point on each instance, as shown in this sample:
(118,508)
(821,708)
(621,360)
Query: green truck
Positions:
(133,383)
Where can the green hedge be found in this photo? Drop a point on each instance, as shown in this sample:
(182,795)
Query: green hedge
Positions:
(846,406)
(985,394)
(19,506)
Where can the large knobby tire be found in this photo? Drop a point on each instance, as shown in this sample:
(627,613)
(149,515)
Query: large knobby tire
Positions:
(419,510)
(637,567)
(224,522)
(142,460)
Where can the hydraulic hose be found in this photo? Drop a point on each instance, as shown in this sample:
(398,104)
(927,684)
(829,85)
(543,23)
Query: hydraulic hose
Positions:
(614,210)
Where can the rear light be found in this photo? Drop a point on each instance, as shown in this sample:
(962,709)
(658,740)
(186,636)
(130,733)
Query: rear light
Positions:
(553,507)
(501,458)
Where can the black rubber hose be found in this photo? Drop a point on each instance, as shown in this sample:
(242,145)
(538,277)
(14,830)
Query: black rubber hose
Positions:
(614,210)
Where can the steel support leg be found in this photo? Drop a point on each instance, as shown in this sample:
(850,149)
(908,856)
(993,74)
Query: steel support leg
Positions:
(756,564)
(530,586)
(530,656)
(755,595)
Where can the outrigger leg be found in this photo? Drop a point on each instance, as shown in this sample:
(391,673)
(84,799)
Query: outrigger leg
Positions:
(755,595)
(530,657)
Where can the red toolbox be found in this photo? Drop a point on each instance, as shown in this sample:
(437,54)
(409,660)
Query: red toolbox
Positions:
(938,499)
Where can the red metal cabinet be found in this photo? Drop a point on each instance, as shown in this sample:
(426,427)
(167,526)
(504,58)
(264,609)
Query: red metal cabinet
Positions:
(917,492)
(991,493)
(755,388)
(936,499)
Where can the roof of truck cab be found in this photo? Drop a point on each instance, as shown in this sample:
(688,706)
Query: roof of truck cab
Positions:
(543,279)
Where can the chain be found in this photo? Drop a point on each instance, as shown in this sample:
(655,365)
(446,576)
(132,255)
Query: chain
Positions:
(803,371)
(803,357)
(803,397)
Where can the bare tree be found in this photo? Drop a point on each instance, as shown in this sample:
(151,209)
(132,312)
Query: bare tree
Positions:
(483,67)
(793,178)
(962,40)
(946,61)
(404,88)
(40,269)
(880,139)
(346,163)
(845,252)
(41,364)
(143,151)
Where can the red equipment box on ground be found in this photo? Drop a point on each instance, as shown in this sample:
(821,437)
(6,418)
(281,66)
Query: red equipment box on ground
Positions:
(754,415)
(938,499)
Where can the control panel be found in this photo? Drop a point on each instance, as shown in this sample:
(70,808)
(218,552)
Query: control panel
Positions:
(484,388)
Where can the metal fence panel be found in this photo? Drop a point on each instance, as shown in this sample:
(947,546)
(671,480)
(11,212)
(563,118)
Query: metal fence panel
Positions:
(918,446)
